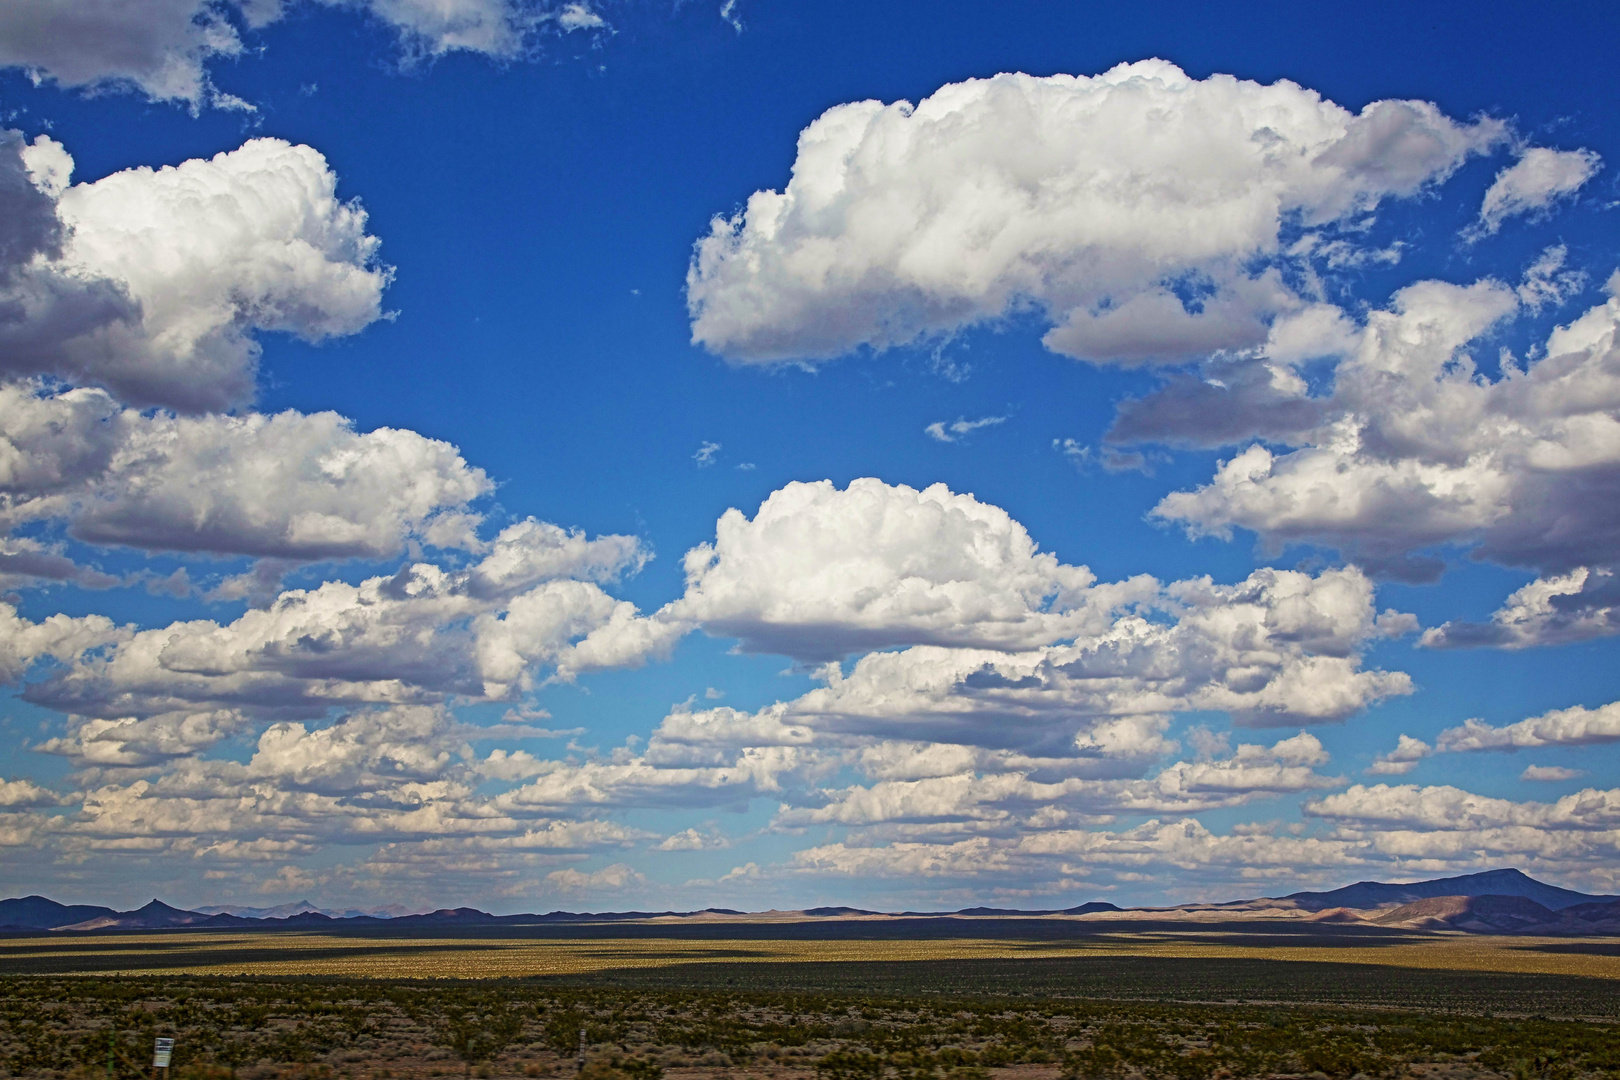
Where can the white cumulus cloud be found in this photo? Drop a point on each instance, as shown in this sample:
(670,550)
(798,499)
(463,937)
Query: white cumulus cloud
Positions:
(1577,726)
(415,637)
(1137,210)
(1418,448)
(153,282)
(819,572)
(283,486)
(1555,610)
(1002,644)
(1403,759)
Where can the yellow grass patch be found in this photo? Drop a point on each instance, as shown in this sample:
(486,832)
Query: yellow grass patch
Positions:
(470,958)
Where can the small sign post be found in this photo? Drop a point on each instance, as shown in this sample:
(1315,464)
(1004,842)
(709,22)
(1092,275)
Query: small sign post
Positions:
(162,1051)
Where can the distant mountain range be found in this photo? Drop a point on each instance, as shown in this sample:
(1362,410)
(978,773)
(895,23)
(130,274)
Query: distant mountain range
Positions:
(1497,901)
(282,911)
(1376,894)
(40,913)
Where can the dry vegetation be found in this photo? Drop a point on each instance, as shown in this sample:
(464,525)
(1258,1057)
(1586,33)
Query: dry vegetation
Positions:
(57,1028)
(1191,1005)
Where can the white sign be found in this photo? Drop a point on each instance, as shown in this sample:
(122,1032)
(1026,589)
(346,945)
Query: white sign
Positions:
(161,1052)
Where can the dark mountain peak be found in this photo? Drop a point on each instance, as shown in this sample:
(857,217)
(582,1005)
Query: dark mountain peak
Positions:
(154,915)
(155,906)
(465,915)
(1507,881)
(1093,905)
(1506,875)
(304,918)
(43,913)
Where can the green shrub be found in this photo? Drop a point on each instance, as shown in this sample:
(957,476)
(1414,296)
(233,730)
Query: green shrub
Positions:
(850,1065)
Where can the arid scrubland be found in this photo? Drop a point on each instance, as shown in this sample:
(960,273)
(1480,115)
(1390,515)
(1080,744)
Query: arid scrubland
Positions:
(732,1028)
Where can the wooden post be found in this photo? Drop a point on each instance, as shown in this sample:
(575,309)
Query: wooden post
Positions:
(581,1062)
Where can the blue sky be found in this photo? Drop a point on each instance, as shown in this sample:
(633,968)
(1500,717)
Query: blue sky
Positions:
(444,453)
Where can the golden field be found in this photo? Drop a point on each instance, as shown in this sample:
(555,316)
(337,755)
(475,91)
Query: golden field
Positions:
(319,954)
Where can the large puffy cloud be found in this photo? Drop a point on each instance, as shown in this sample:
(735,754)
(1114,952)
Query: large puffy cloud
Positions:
(1556,610)
(1577,726)
(287,486)
(42,302)
(29,184)
(1419,448)
(367,751)
(153,282)
(162,48)
(58,637)
(128,741)
(1537,180)
(821,572)
(417,636)
(24,794)
(1138,210)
